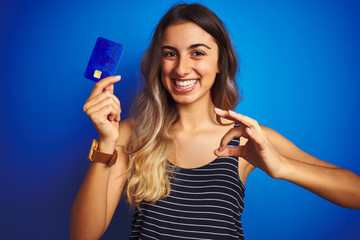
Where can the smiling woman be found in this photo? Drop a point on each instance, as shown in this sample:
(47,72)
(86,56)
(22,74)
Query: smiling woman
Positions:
(190,62)
(184,155)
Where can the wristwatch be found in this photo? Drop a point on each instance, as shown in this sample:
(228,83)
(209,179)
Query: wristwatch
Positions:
(100,157)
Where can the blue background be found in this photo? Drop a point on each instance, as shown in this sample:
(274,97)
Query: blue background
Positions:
(299,75)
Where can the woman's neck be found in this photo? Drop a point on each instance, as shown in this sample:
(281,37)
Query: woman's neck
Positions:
(196,116)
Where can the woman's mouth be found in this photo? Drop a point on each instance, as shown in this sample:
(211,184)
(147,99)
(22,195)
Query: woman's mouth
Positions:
(185,85)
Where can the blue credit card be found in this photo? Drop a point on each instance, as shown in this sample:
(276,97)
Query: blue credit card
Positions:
(104,59)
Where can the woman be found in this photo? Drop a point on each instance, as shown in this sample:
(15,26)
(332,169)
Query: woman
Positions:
(184,155)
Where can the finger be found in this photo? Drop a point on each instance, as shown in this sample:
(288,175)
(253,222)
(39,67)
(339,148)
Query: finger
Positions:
(115,117)
(237,117)
(253,129)
(230,135)
(112,117)
(96,108)
(103,104)
(110,88)
(104,112)
(102,84)
(255,136)
(100,97)
(229,151)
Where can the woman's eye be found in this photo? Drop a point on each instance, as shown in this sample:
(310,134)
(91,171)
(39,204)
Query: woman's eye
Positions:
(169,54)
(198,53)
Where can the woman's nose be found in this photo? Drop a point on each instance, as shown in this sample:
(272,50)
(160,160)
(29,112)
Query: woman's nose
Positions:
(183,66)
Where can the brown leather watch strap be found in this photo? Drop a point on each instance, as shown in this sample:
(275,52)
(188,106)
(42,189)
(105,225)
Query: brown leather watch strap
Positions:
(100,157)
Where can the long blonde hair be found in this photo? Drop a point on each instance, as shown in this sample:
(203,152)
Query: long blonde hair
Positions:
(154,111)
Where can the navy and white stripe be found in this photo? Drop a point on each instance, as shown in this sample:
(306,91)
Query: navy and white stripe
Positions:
(204,203)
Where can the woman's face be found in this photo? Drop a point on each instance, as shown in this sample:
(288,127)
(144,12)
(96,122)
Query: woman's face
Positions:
(189,62)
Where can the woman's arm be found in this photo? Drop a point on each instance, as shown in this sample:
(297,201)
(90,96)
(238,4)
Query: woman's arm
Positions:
(100,193)
(335,184)
(102,187)
(279,158)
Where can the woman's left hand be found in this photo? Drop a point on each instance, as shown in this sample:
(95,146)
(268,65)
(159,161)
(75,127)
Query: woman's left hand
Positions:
(279,158)
(258,150)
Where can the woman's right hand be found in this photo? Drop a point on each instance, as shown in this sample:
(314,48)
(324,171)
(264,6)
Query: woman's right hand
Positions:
(104,110)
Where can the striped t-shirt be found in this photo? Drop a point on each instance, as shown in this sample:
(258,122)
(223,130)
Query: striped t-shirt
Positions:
(204,203)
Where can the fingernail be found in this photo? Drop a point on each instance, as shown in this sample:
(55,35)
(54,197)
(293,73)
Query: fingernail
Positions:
(117,77)
(218,110)
(220,149)
(250,130)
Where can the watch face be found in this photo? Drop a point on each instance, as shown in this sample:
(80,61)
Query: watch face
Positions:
(100,157)
(94,146)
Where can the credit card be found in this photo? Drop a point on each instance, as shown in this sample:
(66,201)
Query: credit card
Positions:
(104,59)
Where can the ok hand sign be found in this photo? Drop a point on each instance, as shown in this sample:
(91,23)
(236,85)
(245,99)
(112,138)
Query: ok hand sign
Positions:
(258,150)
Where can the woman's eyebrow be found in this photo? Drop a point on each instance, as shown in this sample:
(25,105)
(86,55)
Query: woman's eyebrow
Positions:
(196,45)
(199,45)
(169,47)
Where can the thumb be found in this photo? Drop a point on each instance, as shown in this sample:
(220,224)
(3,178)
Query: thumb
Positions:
(228,151)
(110,88)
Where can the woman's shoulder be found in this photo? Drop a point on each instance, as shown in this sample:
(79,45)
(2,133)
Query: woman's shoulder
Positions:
(126,124)
(125,130)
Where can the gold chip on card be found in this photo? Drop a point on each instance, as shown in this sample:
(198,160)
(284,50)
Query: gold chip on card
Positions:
(97,74)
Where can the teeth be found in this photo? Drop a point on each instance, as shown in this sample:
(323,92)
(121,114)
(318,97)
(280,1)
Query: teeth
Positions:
(185,84)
